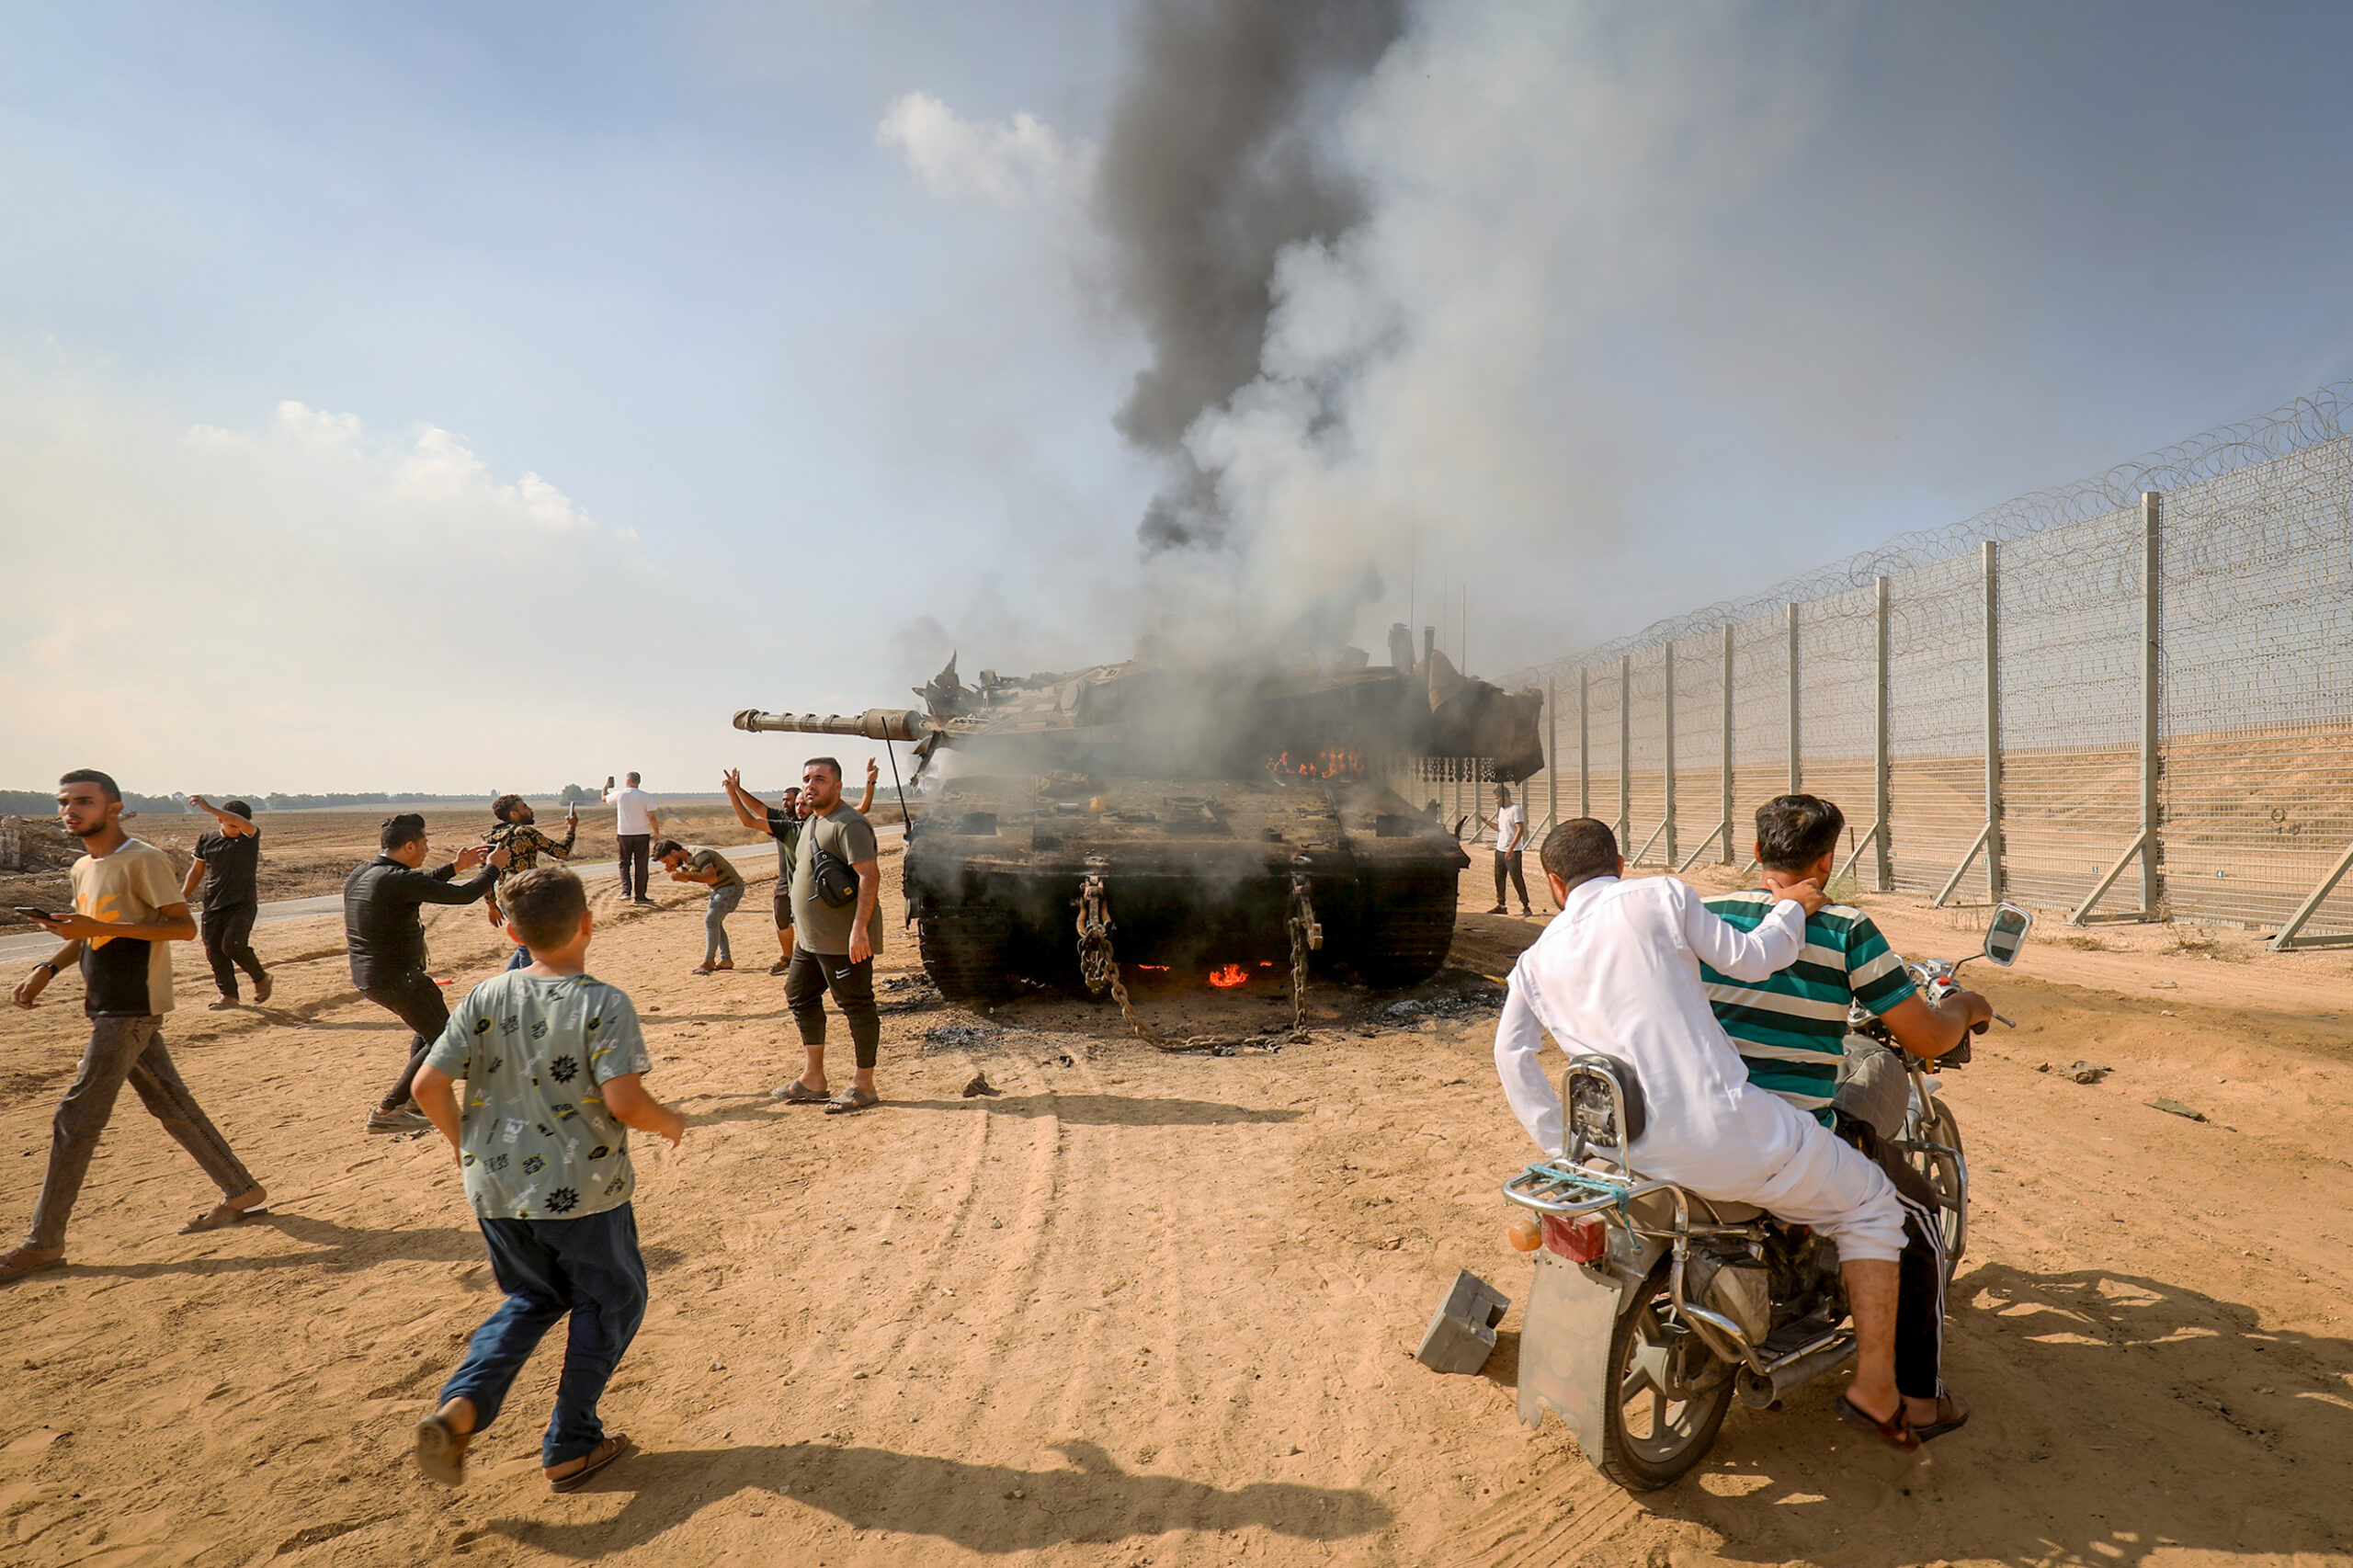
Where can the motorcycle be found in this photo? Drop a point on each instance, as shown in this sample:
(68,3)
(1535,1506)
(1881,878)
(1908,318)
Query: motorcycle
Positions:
(1652,1307)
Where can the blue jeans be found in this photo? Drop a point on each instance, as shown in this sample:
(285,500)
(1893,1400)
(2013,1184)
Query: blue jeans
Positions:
(714,923)
(588,1267)
(521,958)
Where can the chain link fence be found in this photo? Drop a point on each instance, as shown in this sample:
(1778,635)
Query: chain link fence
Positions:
(2126,699)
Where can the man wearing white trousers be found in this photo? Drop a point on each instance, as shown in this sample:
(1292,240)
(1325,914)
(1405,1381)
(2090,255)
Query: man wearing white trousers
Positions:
(1618,972)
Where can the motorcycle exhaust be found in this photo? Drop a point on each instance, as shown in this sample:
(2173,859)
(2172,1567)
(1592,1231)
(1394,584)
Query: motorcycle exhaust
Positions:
(1763,1392)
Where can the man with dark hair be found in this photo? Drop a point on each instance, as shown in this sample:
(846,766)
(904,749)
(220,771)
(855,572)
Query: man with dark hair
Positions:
(228,863)
(127,914)
(524,843)
(1618,972)
(708,869)
(636,825)
(834,944)
(1510,825)
(1790,1028)
(386,937)
(781,823)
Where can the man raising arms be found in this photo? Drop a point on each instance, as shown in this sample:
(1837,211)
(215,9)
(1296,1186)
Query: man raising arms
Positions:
(227,863)
(524,845)
(126,917)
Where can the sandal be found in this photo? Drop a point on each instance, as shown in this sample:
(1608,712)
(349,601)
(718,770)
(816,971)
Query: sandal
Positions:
(1946,1421)
(599,1456)
(220,1216)
(799,1093)
(1896,1431)
(849,1101)
(21,1262)
(441,1450)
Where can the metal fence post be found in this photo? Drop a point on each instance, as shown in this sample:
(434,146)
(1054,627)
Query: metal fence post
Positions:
(1993,726)
(1625,749)
(1882,714)
(1797,771)
(1728,690)
(1584,743)
(2152,519)
(1671,857)
(1551,753)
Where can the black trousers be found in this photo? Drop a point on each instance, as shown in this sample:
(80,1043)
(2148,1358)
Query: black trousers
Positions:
(635,849)
(1920,1271)
(1510,863)
(414,1000)
(229,946)
(807,978)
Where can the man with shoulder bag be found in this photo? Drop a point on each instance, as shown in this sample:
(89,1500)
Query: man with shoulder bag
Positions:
(838,929)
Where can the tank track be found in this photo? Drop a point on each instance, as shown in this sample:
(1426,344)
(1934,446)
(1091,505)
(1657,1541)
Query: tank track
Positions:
(1404,947)
(968,952)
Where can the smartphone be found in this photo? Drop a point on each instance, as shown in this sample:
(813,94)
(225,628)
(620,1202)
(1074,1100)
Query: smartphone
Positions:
(30,913)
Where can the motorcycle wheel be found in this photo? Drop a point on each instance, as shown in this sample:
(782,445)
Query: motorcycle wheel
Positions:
(1937,1155)
(1671,1395)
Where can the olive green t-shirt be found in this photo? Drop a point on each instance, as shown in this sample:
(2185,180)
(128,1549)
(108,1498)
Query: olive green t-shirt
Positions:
(710,860)
(817,926)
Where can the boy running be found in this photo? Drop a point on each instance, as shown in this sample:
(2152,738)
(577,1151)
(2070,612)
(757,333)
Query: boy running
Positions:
(552,1060)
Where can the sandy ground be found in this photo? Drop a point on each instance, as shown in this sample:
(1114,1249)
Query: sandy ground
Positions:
(1151,1309)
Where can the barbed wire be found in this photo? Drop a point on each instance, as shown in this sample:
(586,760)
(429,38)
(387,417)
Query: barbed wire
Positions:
(2325,414)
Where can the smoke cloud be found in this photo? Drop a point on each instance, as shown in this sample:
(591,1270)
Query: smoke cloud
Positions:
(1217,160)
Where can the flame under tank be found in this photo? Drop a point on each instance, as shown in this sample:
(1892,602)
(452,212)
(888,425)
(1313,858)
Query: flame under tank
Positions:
(1197,797)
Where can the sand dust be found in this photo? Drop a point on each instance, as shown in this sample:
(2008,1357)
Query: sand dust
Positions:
(1148,1309)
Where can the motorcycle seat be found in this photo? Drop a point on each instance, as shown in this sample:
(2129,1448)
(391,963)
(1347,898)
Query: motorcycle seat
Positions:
(1724,1210)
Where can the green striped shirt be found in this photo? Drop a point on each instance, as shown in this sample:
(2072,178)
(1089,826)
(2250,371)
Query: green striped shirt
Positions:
(1792,1029)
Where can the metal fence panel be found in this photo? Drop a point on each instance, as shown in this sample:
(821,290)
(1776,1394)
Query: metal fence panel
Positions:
(1936,720)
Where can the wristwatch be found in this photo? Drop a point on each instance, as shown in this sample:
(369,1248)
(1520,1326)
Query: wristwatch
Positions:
(47,965)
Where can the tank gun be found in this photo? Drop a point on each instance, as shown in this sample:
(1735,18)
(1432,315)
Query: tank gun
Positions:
(874,724)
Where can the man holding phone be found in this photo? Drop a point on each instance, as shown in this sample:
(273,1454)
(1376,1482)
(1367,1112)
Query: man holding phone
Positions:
(128,910)
(636,825)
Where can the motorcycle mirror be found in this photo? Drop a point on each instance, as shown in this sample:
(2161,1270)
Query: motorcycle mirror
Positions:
(2006,934)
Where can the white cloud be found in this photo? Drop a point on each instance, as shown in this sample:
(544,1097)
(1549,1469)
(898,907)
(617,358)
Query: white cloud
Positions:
(304,604)
(1014,163)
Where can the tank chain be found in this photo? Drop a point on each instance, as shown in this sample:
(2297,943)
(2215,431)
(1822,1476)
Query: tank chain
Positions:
(1305,935)
(1097,964)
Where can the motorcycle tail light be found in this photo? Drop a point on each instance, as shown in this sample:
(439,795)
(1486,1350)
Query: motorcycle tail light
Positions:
(1580,1238)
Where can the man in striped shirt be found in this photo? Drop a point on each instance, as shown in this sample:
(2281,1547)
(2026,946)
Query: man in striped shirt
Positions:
(1790,1029)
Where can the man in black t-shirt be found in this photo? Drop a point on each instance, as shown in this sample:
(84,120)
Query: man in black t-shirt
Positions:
(226,863)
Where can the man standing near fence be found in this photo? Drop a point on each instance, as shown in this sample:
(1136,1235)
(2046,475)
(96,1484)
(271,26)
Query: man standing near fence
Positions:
(1510,824)
(635,827)
(228,864)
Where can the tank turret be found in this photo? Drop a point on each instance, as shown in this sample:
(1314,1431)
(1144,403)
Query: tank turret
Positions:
(1211,811)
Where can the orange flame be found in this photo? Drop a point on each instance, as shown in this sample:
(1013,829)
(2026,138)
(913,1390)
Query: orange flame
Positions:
(1228,976)
(1160,967)
(1333,763)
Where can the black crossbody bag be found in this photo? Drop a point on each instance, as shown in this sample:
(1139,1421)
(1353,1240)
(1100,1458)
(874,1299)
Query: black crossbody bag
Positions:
(837,883)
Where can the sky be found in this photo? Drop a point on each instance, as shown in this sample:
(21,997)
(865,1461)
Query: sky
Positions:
(480,397)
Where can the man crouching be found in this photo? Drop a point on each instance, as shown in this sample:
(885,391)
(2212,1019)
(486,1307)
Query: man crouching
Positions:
(1617,971)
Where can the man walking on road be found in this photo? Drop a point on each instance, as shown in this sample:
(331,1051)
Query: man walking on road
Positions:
(635,825)
(524,845)
(833,943)
(386,936)
(227,863)
(126,915)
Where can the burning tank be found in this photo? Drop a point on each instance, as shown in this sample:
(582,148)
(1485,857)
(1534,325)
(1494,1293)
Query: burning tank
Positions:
(1209,815)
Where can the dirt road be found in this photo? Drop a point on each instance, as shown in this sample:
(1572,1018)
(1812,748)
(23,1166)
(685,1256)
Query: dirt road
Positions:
(1141,1308)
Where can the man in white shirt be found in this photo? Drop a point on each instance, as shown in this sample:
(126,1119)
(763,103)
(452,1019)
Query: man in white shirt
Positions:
(1510,823)
(1618,972)
(635,825)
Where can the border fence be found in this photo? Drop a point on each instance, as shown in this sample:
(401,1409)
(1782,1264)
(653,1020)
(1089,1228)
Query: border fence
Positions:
(2126,699)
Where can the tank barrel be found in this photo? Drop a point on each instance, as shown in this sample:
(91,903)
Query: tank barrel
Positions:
(874,724)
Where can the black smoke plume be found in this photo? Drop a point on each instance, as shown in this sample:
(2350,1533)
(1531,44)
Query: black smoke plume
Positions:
(1213,163)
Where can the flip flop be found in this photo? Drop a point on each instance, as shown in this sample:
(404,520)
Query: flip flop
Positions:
(19,1271)
(441,1450)
(211,1220)
(1895,1432)
(799,1093)
(849,1101)
(612,1448)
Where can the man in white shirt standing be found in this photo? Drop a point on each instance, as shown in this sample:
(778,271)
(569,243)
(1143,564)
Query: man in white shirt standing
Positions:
(635,825)
(1510,823)
(1618,974)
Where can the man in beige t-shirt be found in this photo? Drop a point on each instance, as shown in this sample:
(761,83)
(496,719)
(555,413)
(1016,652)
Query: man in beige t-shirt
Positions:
(128,910)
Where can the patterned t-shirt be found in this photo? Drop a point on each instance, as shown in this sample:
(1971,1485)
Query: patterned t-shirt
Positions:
(535,1139)
(1791,1026)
